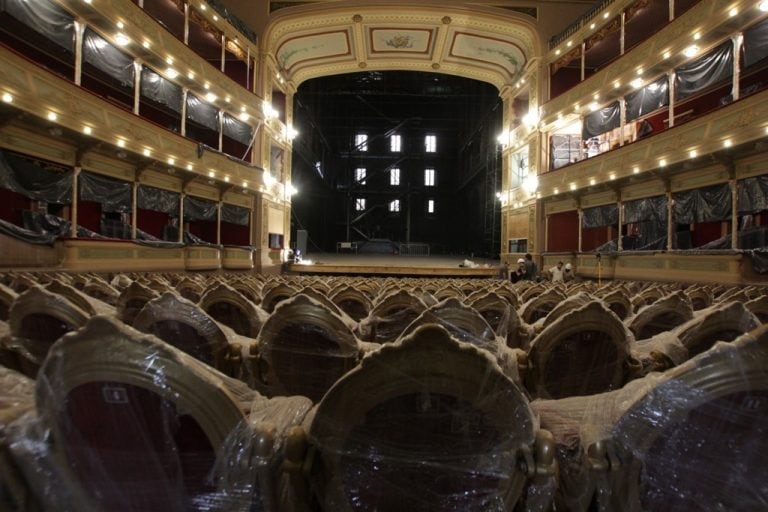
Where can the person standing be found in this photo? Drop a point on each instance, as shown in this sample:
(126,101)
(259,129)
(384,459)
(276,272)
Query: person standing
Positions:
(531,272)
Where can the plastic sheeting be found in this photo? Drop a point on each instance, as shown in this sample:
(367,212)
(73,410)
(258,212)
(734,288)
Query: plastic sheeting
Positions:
(31,180)
(44,17)
(702,205)
(158,89)
(753,194)
(651,97)
(601,121)
(710,69)
(202,112)
(235,214)
(755,45)
(236,22)
(607,215)
(157,200)
(199,209)
(649,215)
(98,52)
(236,129)
(113,195)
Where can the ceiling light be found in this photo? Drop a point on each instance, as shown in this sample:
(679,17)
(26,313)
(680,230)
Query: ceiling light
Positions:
(573,186)
(226,178)
(203,7)
(616,84)
(211,97)
(215,18)
(607,13)
(243,116)
(146,43)
(7,97)
(666,55)
(121,143)
(569,44)
(663,162)
(211,174)
(191,75)
(557,52)
(635,169)
(52,116)
(592,26)
(87,130)
(120,25)
(207,86)
(87,1)
(172,73)
(691,51)
(697,36)
(169,60)
(727,143)
(245,184)
(693,153)
(147,151)
(171,160)
(763,6)
(612,176)
(556,190)
(733,12)
(636,83)
(122,39)
(592,181)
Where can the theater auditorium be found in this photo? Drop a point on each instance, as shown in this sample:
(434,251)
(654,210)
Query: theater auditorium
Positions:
(337,255)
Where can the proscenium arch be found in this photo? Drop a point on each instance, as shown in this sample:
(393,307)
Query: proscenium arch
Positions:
(481,43)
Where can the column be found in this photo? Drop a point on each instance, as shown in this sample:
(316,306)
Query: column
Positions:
(184,93)
(181,216)
(734,213)
(581,219)
(620,241)
(218,223)
(671,89)
(75,178)
(136,86)
(583,59)
(546,233)
(738,40)
(622,120)
(223,51)
(670,223)
(186,23)
(79,29)
(621,36)
(134,206)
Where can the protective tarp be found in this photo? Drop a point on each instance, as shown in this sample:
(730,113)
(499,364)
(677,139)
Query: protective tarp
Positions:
(235,214)
(760,261)
(98,52)
(157,200)
(43,228)
(601,121)
(31,180)
(158,89)
(753,194)
(702,205)
(607,215)
(113,195)
(236,129)
(199,209)
(202,112)
(651,97)
(564,150)
(649,219)
(44,17)
(755,45)
(706,71)
(26,235)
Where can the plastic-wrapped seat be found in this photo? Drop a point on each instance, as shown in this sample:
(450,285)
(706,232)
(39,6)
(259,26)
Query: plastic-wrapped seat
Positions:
(303,348)
(132,300)
(228,306)
(137,425)
(584,352)
(425,423)
(390,316)
(664,314)
(37,319)
(695,439)
(186,326)
(353,302)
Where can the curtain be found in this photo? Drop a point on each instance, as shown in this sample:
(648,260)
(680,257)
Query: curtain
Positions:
(157,88)
(601,121)
(235,214)
(607,215)
(158,200)
(705,71)
(199,209)
(651,97)
(702,205)
(113,195)
(105,57)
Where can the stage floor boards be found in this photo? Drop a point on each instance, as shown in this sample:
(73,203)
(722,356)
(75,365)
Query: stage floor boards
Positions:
(393,265)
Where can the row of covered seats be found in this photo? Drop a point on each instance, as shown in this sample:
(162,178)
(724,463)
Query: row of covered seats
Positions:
(440,417)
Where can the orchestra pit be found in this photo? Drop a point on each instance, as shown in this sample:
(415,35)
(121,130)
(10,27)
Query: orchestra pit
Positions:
(336,256)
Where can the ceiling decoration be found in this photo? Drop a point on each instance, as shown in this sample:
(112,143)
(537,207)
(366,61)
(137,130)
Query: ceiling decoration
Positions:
(485,44)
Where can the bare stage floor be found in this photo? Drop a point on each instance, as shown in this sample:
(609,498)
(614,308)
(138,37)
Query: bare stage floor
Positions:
(394,265)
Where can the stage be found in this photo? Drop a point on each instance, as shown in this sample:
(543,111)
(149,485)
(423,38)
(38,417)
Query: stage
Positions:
(383,265)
